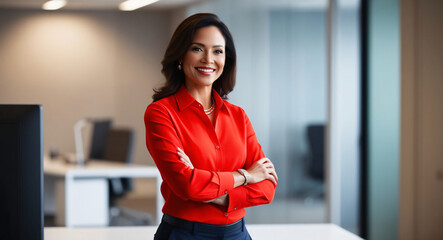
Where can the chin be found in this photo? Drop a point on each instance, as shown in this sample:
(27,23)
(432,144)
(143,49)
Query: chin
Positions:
(206,82)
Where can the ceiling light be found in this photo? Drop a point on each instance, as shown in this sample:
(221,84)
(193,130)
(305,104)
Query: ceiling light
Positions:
(54,4)
(131,5)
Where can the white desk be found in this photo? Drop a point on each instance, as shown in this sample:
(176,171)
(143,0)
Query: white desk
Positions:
(257,232)
(78,195)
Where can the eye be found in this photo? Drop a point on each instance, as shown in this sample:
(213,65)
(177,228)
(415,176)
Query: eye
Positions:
(196,49)
(219,51)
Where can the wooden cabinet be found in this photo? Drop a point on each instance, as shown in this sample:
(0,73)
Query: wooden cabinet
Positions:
(421,187)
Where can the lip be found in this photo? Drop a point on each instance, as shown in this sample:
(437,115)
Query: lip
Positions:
(205,70)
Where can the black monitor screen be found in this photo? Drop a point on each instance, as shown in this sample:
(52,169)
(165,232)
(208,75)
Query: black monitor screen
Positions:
(21,172)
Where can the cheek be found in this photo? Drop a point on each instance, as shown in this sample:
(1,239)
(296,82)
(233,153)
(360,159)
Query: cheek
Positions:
(190,58)
(187,69)
(221,63)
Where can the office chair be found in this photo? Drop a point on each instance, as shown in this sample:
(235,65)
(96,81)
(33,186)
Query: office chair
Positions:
(115,145)
(315,161)
(112,144)
(100,131)
(315,135)
(118,148)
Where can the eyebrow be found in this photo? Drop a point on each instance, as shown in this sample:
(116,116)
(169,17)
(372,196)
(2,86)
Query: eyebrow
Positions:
(201,44)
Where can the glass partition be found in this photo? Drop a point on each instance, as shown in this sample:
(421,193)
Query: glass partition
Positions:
(282,85)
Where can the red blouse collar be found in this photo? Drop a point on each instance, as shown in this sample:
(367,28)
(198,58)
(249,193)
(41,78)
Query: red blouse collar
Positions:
(184,99)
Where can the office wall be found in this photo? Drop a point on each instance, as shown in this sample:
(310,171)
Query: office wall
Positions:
(78,64)
(383,118)
(82,64)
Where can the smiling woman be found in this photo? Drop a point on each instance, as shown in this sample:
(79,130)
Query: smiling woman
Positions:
(204,61)
(204,147)
(181,43)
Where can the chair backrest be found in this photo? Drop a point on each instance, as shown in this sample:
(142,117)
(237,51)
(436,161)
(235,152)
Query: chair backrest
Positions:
(316,140)
(100,132)
(119,145)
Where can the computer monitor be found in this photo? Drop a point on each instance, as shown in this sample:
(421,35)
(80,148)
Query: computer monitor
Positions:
(21,172)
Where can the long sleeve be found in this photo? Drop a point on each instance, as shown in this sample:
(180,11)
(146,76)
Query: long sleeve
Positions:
(216,149)
(162,141)
(254,194)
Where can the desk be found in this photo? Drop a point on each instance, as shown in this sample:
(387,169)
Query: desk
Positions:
(78,195)
(257,232)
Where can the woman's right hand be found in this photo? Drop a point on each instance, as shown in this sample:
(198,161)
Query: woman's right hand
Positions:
(184,158)
(261,170)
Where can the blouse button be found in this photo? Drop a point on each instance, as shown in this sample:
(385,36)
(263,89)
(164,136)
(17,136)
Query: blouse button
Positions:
(226,214)
(218,170)
(226,192)
(235,208)
(217,146)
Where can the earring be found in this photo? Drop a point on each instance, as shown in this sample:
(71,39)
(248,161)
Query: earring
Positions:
(179,67)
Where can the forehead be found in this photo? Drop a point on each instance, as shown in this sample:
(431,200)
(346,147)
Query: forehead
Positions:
(209,36)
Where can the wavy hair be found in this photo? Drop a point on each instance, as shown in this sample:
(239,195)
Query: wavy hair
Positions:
(178,46)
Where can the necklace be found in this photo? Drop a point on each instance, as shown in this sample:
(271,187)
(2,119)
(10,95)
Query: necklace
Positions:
(211,109)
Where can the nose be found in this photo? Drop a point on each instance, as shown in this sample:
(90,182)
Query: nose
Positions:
(208,57)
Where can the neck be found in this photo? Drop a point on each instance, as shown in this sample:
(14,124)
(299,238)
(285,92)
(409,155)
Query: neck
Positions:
(201,94)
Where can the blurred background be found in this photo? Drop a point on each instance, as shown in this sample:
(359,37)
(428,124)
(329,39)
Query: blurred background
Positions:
(320,81)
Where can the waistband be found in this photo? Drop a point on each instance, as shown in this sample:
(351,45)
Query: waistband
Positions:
(202,227)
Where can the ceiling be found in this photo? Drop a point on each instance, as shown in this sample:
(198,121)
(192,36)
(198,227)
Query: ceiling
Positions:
(170,4)
(93,4)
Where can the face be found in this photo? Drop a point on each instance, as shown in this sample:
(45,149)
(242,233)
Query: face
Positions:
(204,61)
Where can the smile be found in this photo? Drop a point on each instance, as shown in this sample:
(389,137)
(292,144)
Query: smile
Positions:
(205,70)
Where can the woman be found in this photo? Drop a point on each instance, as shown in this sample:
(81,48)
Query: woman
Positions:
(204,147)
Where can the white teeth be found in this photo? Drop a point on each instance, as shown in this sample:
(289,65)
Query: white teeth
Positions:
(206,70)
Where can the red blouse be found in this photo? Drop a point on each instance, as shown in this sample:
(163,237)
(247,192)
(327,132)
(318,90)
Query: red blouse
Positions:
(179,121)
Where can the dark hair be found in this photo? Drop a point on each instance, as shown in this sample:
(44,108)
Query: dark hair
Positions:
(178,46)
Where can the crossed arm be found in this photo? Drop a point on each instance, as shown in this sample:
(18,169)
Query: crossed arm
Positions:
(260,170)
(189,183)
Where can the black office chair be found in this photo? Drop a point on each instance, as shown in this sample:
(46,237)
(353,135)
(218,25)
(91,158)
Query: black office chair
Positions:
(100,131)
(118,148)
(315,135)
(113,144)
(116,145)
(315,162)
